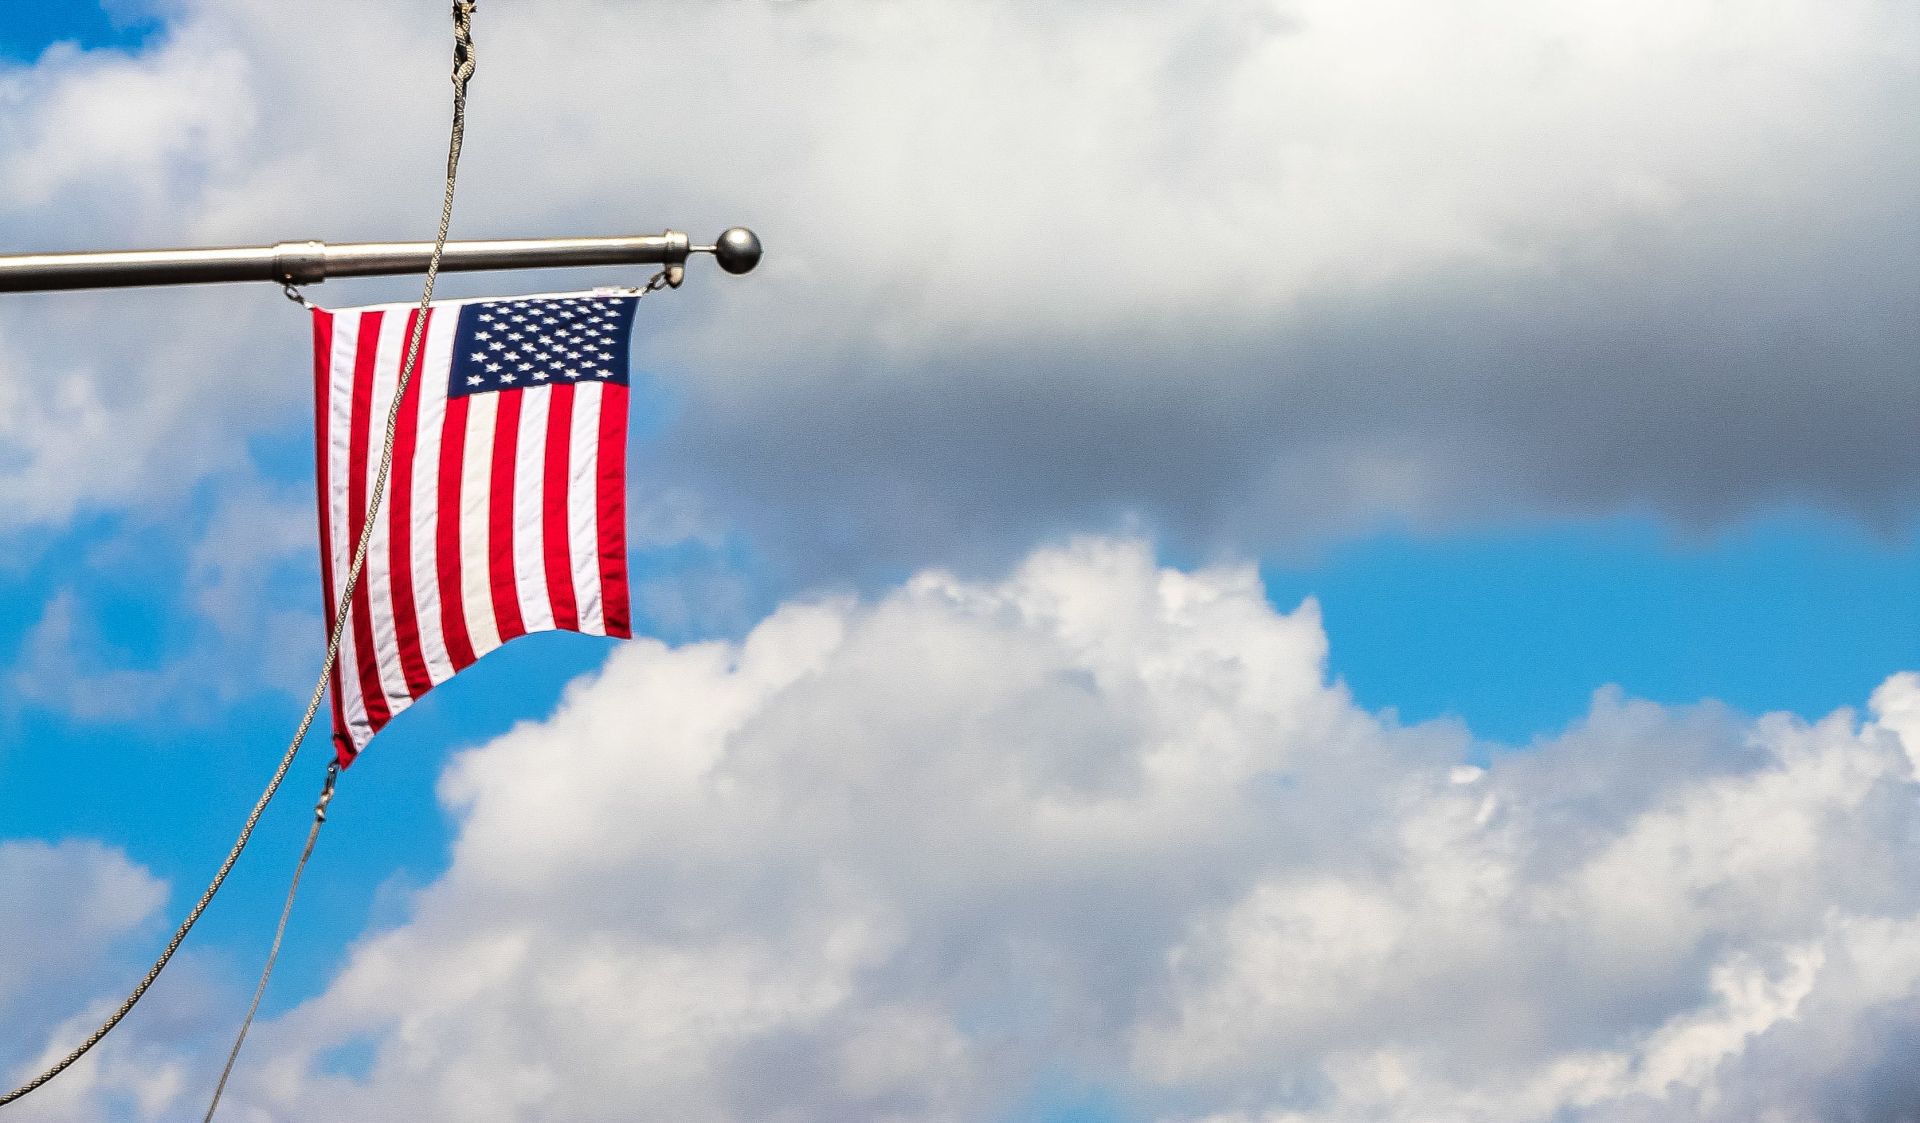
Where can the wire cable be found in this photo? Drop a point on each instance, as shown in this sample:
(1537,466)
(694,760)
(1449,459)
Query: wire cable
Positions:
(279,933)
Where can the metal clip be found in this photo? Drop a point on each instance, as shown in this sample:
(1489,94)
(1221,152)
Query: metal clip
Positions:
(326,793)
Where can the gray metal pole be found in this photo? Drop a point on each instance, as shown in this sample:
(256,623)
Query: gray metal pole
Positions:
(309,263)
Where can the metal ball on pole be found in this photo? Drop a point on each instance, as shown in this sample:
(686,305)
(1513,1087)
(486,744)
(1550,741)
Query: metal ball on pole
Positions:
(737,250)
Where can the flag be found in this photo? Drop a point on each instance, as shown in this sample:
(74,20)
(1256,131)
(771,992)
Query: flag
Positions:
(505,511)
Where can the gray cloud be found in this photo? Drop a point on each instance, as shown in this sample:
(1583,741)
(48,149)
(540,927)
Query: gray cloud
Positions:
(1035,267)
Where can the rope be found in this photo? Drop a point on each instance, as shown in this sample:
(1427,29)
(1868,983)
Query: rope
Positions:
(279,933)
(463,66)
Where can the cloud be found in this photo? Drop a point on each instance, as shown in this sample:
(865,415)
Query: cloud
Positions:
(61,667)
(117,400)
(65,905)
(1035,266)
(1108,823)
(65,921)
(239,636)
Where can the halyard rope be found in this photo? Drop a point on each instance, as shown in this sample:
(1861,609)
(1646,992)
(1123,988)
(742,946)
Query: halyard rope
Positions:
(463,66)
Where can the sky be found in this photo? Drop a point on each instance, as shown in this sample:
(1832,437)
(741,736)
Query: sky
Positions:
(1247,561)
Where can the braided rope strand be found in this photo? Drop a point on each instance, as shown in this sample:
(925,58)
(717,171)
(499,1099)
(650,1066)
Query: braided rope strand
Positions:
(463,71)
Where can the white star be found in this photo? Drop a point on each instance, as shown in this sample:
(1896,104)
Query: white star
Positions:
(477,356)
(482,335)
(508,377)
(493,368)
(573,374)
(526,366)
(514,336)
(473,380)
(495,346)
(540,375)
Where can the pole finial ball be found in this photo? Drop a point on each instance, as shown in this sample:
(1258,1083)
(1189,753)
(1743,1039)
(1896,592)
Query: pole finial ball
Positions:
(737,250)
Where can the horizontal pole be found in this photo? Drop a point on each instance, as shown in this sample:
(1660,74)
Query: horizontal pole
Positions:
(309,263)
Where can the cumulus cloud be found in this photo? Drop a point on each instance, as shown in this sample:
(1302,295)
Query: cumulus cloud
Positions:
(1037,266)
(64,905)
(1040,265)
(1108,824)
(66,916)
(107,401)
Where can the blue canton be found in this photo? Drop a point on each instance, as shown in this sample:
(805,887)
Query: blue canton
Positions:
(542,341)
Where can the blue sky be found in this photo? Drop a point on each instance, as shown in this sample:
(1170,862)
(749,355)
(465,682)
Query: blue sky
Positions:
(32,30)
(1534,424)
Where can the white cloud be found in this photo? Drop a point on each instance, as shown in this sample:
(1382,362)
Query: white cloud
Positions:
(66,916)
(64,906)
(62,666)
(1108,822)
(1035,266)
(124,132)
(255,545)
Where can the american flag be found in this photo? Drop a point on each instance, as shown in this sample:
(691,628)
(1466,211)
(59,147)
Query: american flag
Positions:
(505,512)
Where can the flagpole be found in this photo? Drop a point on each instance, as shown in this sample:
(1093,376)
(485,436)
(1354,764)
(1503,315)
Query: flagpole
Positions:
(309,263)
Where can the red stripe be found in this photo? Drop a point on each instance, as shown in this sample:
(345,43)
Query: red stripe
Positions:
(553,509)
(453,617)
(372,696)
(406,620)
(612,507)
(323,489)
(506,599)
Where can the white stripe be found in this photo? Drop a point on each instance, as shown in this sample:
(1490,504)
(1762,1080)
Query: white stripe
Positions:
(529,494)
(378,575)
(476,487)
(583,515)
(346,338)
(426,491)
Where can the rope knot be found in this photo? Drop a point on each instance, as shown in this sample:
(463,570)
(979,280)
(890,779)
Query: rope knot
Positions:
(463,55)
